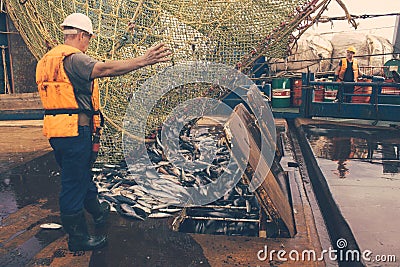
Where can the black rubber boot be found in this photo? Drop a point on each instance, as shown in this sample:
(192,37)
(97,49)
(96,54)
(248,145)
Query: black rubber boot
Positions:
(99,211)
(79,238)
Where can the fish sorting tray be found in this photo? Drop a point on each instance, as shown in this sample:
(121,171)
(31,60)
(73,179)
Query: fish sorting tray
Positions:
(162,186)
(236,214)
(266,212)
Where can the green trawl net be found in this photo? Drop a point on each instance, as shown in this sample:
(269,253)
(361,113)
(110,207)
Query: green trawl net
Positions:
(232,32)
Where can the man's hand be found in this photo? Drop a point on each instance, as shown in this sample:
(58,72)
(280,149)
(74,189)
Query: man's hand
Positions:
(156,54)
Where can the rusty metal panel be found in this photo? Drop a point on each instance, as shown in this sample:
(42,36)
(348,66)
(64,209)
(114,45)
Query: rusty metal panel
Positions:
(270,194)
(259,107)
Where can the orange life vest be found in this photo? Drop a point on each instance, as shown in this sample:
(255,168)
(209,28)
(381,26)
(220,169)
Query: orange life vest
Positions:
(58,97)
(344,67)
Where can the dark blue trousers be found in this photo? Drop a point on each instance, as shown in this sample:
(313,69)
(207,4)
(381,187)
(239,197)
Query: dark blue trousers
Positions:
(73,155)
(346,89)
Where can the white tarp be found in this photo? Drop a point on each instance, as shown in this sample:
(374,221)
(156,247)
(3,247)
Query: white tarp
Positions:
(314,52)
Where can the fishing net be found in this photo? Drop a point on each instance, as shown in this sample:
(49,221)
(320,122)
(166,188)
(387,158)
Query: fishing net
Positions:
(232,32)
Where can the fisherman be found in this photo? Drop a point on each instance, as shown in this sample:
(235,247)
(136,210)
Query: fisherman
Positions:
(347,71)
(68,87)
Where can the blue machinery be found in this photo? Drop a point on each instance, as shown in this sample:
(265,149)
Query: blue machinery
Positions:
(377,108)
(381,107)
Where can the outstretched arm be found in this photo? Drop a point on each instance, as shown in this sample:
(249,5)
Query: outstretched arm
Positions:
(155,54)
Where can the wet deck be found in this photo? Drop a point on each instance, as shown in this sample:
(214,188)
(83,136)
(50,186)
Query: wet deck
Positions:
(361,167)
(29,192)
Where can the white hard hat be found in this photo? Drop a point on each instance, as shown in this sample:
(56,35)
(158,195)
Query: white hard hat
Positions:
(78,21)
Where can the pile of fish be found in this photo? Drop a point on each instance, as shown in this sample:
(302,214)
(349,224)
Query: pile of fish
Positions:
(117,186)
(161,189)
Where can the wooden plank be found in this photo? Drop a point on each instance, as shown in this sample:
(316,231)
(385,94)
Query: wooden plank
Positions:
(271,197)
(20,101)
(20,96)
(20,144)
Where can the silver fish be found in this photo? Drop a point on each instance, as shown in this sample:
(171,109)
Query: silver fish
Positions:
(159,142)
(50,226)
(112,208)
(171,202)
(163,163)
(102,189)
(144,204)
(130,212)
(161,206)
(170,210)
(170,178)
(248,206)
(152,174)
(138,188)
(139,193)
(110,166)
(160,215)
(128,194)
(161,194)
(145,209)
(175,171)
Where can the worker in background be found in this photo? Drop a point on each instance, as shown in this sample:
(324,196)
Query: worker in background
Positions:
(68,87)
(347,71)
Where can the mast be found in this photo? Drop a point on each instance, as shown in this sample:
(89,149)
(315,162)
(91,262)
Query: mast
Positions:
(396,36)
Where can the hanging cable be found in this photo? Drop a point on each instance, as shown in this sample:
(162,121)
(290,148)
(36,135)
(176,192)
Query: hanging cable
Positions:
(331,58)
(325,19)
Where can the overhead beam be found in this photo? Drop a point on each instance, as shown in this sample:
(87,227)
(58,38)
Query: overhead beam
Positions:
(396,36)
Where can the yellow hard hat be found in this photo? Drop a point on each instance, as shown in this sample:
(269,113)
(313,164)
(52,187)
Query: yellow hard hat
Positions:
(352,49)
